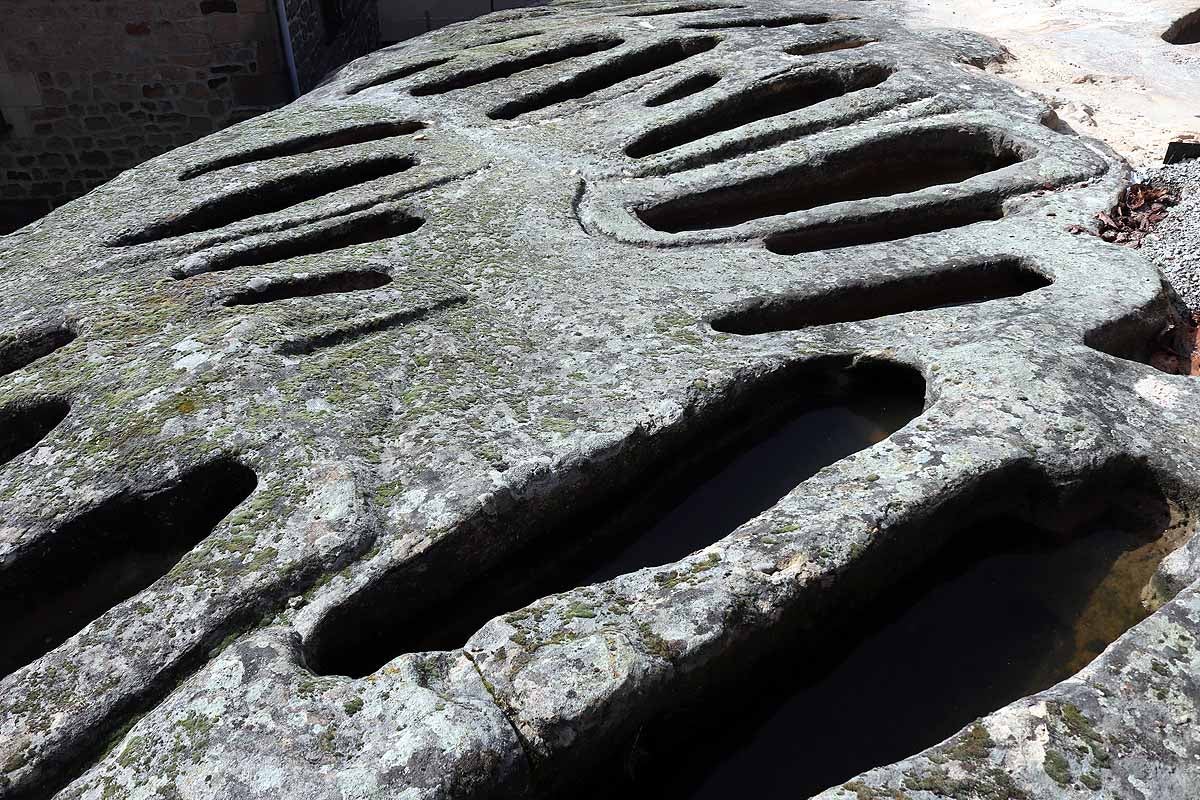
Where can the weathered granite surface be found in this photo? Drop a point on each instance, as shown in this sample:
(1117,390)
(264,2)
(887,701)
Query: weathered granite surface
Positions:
(450,325)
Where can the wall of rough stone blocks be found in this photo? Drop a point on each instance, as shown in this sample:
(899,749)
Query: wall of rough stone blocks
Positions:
(403,19)
(327,33)
(89,88)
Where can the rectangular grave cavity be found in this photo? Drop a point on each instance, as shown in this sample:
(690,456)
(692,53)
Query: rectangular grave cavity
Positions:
(310,286)
(620,68)
(363,229)
(504,69)
(887,226)
(686,8)
(684,88)
(312,143)
(890,165)
(399,73)
(780,95)
(108,554)
(779,21)
(829,46)
(657,501)
(19,350)
(1185,30)
(266,198)
(24,423)
(953,285)
(1019,584)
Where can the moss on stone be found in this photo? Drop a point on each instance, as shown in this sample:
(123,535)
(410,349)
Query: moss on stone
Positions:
(1057,767)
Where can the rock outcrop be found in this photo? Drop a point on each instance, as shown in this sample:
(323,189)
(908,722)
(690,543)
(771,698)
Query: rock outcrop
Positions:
(273,402)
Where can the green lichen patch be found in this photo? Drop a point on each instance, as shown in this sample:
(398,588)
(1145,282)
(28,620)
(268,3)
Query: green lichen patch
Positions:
(1057,767)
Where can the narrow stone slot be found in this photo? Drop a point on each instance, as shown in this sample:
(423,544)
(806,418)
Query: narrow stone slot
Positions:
(267,198)
(510,37)
(399,73)
(887,166)
(610,73)
(848,43)
(363,229)
(25,423)
(1029,586)
(1185,30)
(309,286)
(958,285)
(504,69)
(766,22)
(108,554)
(662,500)
(781,95)
(685,88)
(359,134)
(356,329)
(886,227)
(22,349)
(689,8)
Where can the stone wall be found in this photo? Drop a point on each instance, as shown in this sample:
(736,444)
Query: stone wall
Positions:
(327,33)
(403,19)
(88,89)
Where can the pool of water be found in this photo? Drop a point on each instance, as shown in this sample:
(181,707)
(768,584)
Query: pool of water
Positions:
(1005,610)
(696,499)
(757,479)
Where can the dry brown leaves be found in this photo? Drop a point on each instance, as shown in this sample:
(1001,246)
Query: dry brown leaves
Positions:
(1177,351)
(1140,209)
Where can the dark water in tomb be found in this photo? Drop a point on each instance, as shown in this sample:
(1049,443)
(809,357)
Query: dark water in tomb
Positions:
(758,478)
(693,517)
(724,477)
(1005,610)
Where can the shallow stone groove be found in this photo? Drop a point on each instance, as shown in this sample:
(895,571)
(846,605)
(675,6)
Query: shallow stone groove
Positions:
(602,76)
(318,340)
(782,95)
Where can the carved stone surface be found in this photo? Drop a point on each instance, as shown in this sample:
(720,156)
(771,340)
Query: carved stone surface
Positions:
(461,302)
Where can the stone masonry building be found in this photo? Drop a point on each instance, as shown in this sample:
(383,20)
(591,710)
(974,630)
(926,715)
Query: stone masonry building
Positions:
(89,88)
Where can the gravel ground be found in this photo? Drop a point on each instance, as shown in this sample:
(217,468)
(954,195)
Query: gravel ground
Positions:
(1175,244)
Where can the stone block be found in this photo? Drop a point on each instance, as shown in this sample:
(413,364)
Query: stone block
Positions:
(264,91)
(20,89)
(20,125)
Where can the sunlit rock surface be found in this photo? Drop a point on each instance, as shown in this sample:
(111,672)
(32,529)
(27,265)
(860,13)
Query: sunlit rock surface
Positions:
(272,402)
